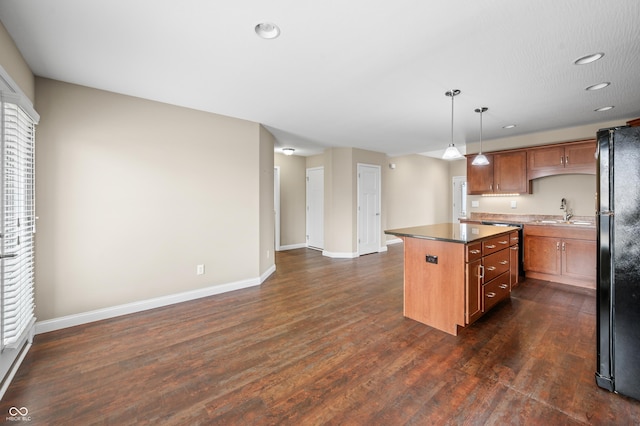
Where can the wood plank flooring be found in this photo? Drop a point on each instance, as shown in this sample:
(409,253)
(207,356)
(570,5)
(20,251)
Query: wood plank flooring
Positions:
(323,341)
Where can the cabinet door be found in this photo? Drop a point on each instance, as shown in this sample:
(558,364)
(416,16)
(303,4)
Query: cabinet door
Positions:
(473,296)
(542,254)
(580,157)
(510,173)
(579,259)
(514,267)
(479,178)
(545,161)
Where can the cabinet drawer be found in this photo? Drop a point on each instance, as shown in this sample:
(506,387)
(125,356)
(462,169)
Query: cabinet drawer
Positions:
(495,264)
(494,244)
(474,252)
(495,291)
(514,238)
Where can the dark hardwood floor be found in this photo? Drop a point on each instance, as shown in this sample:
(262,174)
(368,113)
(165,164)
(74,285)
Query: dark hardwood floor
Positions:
(323,341)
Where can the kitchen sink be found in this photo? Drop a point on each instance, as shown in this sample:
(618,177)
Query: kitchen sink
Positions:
(563,222)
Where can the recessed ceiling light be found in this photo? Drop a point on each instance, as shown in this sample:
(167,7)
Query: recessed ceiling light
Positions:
(509,126)
(267,30)
(607,108)
(588,59)
(598,86)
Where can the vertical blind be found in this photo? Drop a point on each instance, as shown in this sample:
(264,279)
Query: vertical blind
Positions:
(17,223)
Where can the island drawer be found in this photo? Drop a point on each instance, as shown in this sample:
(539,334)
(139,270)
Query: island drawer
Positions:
(495,264)
(495,291)
(494,244)
(474,252)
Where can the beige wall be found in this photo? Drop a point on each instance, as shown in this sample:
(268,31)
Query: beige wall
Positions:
(133,194)
(418,191)
(12,61)
(266,214)
(292,199)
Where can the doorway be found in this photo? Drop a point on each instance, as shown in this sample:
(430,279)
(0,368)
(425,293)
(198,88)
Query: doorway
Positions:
(459,198)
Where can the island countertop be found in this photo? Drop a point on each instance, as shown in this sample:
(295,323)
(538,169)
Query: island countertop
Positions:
(462,233)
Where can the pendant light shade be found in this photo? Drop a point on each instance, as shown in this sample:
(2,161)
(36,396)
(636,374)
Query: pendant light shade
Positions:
(452,152)
(480,159)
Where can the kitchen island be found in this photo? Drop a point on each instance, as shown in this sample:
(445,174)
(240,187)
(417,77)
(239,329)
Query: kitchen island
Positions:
(455,272)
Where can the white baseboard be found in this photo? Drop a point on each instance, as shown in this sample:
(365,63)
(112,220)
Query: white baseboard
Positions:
(394,241)
(143,305)
(292,247)
(337,255)
(382,249)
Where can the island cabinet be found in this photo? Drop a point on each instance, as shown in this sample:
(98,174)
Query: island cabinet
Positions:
(452,279)
(564,254)
(506,173)
(574,157)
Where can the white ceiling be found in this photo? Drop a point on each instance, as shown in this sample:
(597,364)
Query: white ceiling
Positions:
(369,74)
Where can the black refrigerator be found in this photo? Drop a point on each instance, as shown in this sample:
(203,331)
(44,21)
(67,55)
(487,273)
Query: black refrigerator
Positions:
(618,288)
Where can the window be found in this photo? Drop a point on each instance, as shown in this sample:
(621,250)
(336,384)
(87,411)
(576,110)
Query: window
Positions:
(17,226)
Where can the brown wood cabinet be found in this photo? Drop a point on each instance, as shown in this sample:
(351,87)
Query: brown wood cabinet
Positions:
(574,157)
(506,173)
(565,254)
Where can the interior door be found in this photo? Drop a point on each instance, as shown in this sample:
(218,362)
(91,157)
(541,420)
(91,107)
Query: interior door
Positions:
(369,209)
(315,208)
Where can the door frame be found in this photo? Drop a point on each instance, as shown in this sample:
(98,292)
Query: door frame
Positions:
(276,205)
(308,216)
(464,208)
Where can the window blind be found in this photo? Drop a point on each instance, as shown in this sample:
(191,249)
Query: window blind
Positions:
(17,224)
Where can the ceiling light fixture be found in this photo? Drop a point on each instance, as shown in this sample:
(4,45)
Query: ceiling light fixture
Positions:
(288,151)
(452,152)
(588,59)
(598,86)
(509,126)
(267,30)
(607,108)
(480,159)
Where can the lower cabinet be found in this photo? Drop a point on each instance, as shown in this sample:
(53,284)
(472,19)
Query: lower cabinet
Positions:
(564,254)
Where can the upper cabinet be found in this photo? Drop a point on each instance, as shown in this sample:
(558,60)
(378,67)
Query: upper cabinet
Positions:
(511,172)
(506,173)
(574,157)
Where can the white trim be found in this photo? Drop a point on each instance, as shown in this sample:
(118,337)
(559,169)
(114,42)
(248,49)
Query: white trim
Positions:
(382,249)
(143,305)
(394,241)
(11,92)
(292,246)
(276,203)
(336,255)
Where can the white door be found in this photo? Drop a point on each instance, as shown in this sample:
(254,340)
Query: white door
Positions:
(315,208)
(368,209)
(459,198)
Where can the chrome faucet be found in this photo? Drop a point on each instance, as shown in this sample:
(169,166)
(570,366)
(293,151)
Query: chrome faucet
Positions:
(563,206)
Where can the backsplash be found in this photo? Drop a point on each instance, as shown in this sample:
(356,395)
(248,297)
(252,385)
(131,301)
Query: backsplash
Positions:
(578,190)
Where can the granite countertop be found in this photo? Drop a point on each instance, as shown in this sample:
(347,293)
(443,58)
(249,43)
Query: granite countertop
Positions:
(453,232)
(531,219)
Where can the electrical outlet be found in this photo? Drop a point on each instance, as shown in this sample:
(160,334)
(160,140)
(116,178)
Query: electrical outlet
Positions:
(475,203)
(514,204)
(200,270)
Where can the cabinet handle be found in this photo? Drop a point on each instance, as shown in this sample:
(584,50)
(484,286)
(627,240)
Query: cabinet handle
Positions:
(490,187)
(561,160)
(481,272)
(503,286)
(514,248)
(497,187)
(503,242)
(566,160)
(491,295)
(503,262)
(491,268)
(491,246)
(474,251)
(563,246)
(558,245)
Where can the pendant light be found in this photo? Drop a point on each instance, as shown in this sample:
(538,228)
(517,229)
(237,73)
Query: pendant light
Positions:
(452,152)
(481,159)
